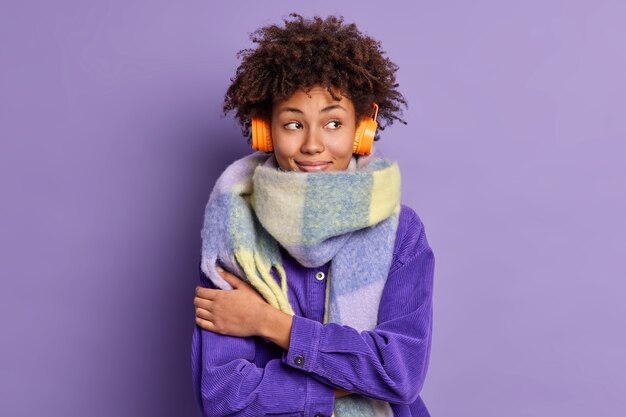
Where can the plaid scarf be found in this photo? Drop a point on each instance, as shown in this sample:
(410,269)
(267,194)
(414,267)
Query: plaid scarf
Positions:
(347,217)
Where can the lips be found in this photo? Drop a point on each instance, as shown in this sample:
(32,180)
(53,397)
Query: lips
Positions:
(311,166)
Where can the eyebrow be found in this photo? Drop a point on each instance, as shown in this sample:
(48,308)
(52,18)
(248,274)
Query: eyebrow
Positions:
(324,110)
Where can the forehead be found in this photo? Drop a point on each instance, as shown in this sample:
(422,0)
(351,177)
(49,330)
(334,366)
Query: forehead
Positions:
(315,98)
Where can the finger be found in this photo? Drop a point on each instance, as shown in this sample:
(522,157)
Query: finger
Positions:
(206,293)
(232,279)
(202,303)
(205,324)
(203,314)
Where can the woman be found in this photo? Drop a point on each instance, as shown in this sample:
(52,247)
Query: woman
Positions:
(319,292)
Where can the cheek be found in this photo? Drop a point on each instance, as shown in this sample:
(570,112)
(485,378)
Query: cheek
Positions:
(284,150)
(343,148)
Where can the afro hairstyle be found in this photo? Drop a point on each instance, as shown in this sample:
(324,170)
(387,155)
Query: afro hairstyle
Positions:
(309,52)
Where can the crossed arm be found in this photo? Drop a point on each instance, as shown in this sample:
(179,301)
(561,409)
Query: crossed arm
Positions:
(387,363)
(242,312)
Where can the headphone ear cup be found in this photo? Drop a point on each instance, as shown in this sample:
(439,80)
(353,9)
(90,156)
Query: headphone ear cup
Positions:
(364,137)
(261,135)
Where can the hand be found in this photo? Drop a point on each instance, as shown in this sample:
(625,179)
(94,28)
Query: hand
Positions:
(341,393)
(237,312)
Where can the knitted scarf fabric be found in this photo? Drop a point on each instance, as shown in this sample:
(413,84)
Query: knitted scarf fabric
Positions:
(347,217)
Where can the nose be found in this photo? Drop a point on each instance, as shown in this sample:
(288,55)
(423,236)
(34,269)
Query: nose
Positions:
(313,141)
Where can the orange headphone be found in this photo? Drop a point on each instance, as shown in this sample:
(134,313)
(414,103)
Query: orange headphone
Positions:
(363,138)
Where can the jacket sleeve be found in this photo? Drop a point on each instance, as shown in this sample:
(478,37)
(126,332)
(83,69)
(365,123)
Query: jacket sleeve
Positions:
(389,362)
(228,383)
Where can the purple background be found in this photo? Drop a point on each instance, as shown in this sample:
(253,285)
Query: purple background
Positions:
(514,157)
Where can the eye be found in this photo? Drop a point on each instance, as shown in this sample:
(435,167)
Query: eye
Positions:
(293,126)
(334,124)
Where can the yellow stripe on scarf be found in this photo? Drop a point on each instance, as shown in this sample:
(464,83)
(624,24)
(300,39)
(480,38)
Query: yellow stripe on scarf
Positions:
(385,194)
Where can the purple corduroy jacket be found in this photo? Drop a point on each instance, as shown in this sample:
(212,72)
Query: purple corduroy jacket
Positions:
(248,376)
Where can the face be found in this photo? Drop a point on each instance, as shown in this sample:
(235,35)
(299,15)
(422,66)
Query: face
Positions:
(313,132)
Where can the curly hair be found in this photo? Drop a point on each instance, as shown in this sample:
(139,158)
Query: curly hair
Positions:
(309,52)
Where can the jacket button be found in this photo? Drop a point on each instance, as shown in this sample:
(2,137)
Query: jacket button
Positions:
(318,415)
(299,360)
(319,276)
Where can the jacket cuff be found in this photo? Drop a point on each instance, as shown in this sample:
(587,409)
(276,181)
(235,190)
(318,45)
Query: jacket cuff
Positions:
(302,354)
(303,344)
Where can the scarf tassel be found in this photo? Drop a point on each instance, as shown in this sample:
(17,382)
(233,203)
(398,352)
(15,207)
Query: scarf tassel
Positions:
(265,284)
(279,292)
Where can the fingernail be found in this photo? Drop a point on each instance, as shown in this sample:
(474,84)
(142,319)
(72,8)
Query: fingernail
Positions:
(219,268)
